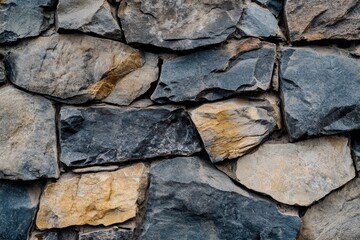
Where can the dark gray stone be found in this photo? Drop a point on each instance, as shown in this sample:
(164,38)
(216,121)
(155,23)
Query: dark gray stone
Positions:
(63,234)
(24,18)
(18,204)
(356,150)
(320,92)
(2,73)
(239,66)
(275,6)
(97,135)
(190,199)
(114,233)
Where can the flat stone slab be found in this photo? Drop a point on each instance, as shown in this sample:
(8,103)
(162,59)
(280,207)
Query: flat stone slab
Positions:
(113,233)
(102,135)
(320,92)
(295,173)
(275,6)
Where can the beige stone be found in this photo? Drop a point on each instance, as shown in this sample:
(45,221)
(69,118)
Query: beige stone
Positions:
(295,173)
(94,198)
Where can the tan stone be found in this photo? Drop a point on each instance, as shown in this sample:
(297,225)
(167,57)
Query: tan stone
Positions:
(94,198)
(295,173)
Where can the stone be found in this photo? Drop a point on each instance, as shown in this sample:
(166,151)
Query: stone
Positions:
(356,149)
(27,136)
(275,6)
(18,205)
(136,83)
(231,128)
(320,92)
(257,21)
(336,217)
(95,169)
(114,233)
(179,25)
(2,73)
(89,17)
(71,68)
(318,20)
(67,234)
(295,173)
(24,18)
(103,198)
(236,67)
(107,134)
(189,199)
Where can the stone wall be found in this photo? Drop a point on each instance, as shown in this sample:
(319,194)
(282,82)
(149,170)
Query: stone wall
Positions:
(171,120)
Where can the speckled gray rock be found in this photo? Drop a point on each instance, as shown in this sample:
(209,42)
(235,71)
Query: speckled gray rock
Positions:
(179,25)
(98,135)
(18,204)
(275,6)
(356,150)
(237,67)
(320,92)
(24,18)
(336,217)
(67,234)
(190,199)
(27,136)
(2,72)
(316,20)
(89,17)
(114,233)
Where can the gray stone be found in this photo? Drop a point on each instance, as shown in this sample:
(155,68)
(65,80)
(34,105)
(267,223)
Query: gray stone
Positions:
(67,234)
(98,135)
(189,199)
(89,17)
(2,73)
(179,25)
(24,18)
(317,20)
(320,92)
(114,233)
(27,136)
(71,68)
(257,21)
(18,204)
(275,6)
(356,150)
(237,67)
(336,217)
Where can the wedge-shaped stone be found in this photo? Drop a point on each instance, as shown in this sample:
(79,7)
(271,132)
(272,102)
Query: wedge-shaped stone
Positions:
(27,136)
(320,92)
(179,25)
(336,217)
(231,128)
(316,20)
(189,199)
(93,16)
(94,198)
(72,68)
(239,66)
(275,6)
(295,173)
(100,135)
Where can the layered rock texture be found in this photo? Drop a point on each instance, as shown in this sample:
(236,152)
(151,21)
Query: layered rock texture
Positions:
(179,120)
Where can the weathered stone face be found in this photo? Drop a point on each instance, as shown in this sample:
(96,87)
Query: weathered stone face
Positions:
(231,128)
(336,217)
(72,68)
(100,135)
(94,198)
(189,199)
(2,72)
(89,17)
(114,233)
(179,25)
(27,136)
(275,6)
(320,92)
(24,18)
(356,149)
(317,20)
(236,67)
(295,173)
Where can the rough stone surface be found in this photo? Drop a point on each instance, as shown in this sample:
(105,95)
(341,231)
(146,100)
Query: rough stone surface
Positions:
(88,16)
(72,68)
(275,6)
(356,150)
(316,20)
(27,136)
(190,199)
(231,128)
(320,92)
(236,67)
(136,83)
(18,204)
(296,173)
(257,21)
(52,235)
(2,72)
(24,18)
(336,217)
(179,25)
(114,233)
(94,198)
(98,135)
